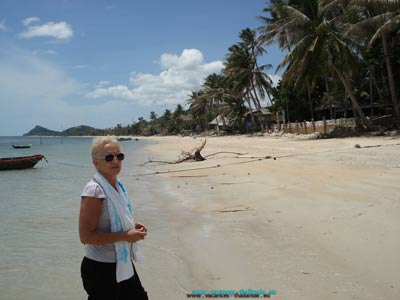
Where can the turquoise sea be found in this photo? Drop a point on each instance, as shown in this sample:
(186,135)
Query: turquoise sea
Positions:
(40,252)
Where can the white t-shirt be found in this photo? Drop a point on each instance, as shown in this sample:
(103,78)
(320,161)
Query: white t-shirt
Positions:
(104,252)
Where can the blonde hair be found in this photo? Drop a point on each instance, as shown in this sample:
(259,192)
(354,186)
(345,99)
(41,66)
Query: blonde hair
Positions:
(99,142)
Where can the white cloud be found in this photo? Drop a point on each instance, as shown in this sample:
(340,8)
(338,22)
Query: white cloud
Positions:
(26,75)
(30,20)
(34,91)
(3,25)
(60,30)
(102,83)
(119,92)
(181,75)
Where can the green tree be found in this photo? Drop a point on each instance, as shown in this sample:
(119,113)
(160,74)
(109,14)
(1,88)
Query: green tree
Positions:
(166,123)
(320,47)
(377,19)
(176,117)
(198,105)
(153,123)
(247,78)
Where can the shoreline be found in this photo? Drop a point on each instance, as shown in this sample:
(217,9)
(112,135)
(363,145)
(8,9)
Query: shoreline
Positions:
(319,222)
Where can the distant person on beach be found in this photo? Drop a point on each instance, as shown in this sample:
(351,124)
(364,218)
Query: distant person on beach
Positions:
(249,126)
(107,229)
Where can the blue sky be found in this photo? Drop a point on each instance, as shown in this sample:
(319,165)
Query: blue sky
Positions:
(66,63)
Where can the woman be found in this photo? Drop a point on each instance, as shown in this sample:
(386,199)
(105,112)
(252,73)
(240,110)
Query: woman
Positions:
(107,229)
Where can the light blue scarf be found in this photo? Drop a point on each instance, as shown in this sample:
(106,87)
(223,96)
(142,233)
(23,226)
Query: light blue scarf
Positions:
(120,211)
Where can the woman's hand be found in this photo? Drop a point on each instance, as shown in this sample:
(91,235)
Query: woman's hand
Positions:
(135,235)
(88,219)
(139,226)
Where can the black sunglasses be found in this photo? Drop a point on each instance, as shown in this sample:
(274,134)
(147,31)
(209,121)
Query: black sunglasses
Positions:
(110,157)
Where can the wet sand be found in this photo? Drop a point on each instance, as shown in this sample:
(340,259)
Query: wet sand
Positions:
(321,221)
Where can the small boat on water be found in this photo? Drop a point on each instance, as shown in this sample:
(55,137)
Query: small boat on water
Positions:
(21,146)
(124,138)
(22,162)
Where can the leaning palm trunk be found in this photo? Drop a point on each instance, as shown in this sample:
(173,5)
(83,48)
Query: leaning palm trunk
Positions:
(251,110)
(371,91)
(329,98)
(205,119)
(378,90)
(262,121)
(346,83)
(257,105)
(390,75)
(309,100)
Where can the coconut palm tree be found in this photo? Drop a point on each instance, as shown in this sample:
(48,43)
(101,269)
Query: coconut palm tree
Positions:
(198,104)
(248,78)
(141,123)
(166,121)
(213,90)
(236,74)
(262,83)
(176,117)
(319,48)
(375,20)
(153,122)
(233,109)
(274,25)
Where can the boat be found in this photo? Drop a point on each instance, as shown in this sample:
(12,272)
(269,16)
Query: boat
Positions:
(22,162)
(21,146)
(121,138)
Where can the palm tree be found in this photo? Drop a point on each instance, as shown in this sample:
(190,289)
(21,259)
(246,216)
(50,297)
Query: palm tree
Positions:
(166,121)
(233,108)
(153,120)
(176,116)
(236,74)
(167,115)
(262,83)
(213,94)
(376,19)
(141,125)
(319,47)
(199,107)
(248,78)
(153,116)
(274,26)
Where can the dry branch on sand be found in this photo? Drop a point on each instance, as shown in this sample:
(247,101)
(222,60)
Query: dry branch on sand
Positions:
(193,155)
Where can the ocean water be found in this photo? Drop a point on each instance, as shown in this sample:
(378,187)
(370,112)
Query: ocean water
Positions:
(40,252)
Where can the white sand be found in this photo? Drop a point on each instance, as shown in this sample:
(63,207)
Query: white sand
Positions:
(322,221)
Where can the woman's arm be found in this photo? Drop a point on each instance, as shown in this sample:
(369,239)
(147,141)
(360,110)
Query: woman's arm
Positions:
(88,219)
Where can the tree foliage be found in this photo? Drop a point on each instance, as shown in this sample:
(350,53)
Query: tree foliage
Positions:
(342,61)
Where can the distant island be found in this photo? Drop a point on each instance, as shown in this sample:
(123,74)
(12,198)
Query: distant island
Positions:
(81,130)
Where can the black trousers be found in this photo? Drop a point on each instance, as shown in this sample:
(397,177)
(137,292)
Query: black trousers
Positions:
(100,282)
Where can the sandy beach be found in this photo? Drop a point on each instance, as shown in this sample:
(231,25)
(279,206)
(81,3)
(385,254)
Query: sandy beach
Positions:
(311,219)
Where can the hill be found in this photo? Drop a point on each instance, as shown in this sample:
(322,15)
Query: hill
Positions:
(73,131)
(80,130)
(39,130)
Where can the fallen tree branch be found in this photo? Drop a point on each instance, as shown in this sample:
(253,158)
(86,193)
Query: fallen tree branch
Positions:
(194,155)
(237,153)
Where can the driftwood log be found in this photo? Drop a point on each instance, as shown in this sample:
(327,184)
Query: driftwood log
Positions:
(193,155)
